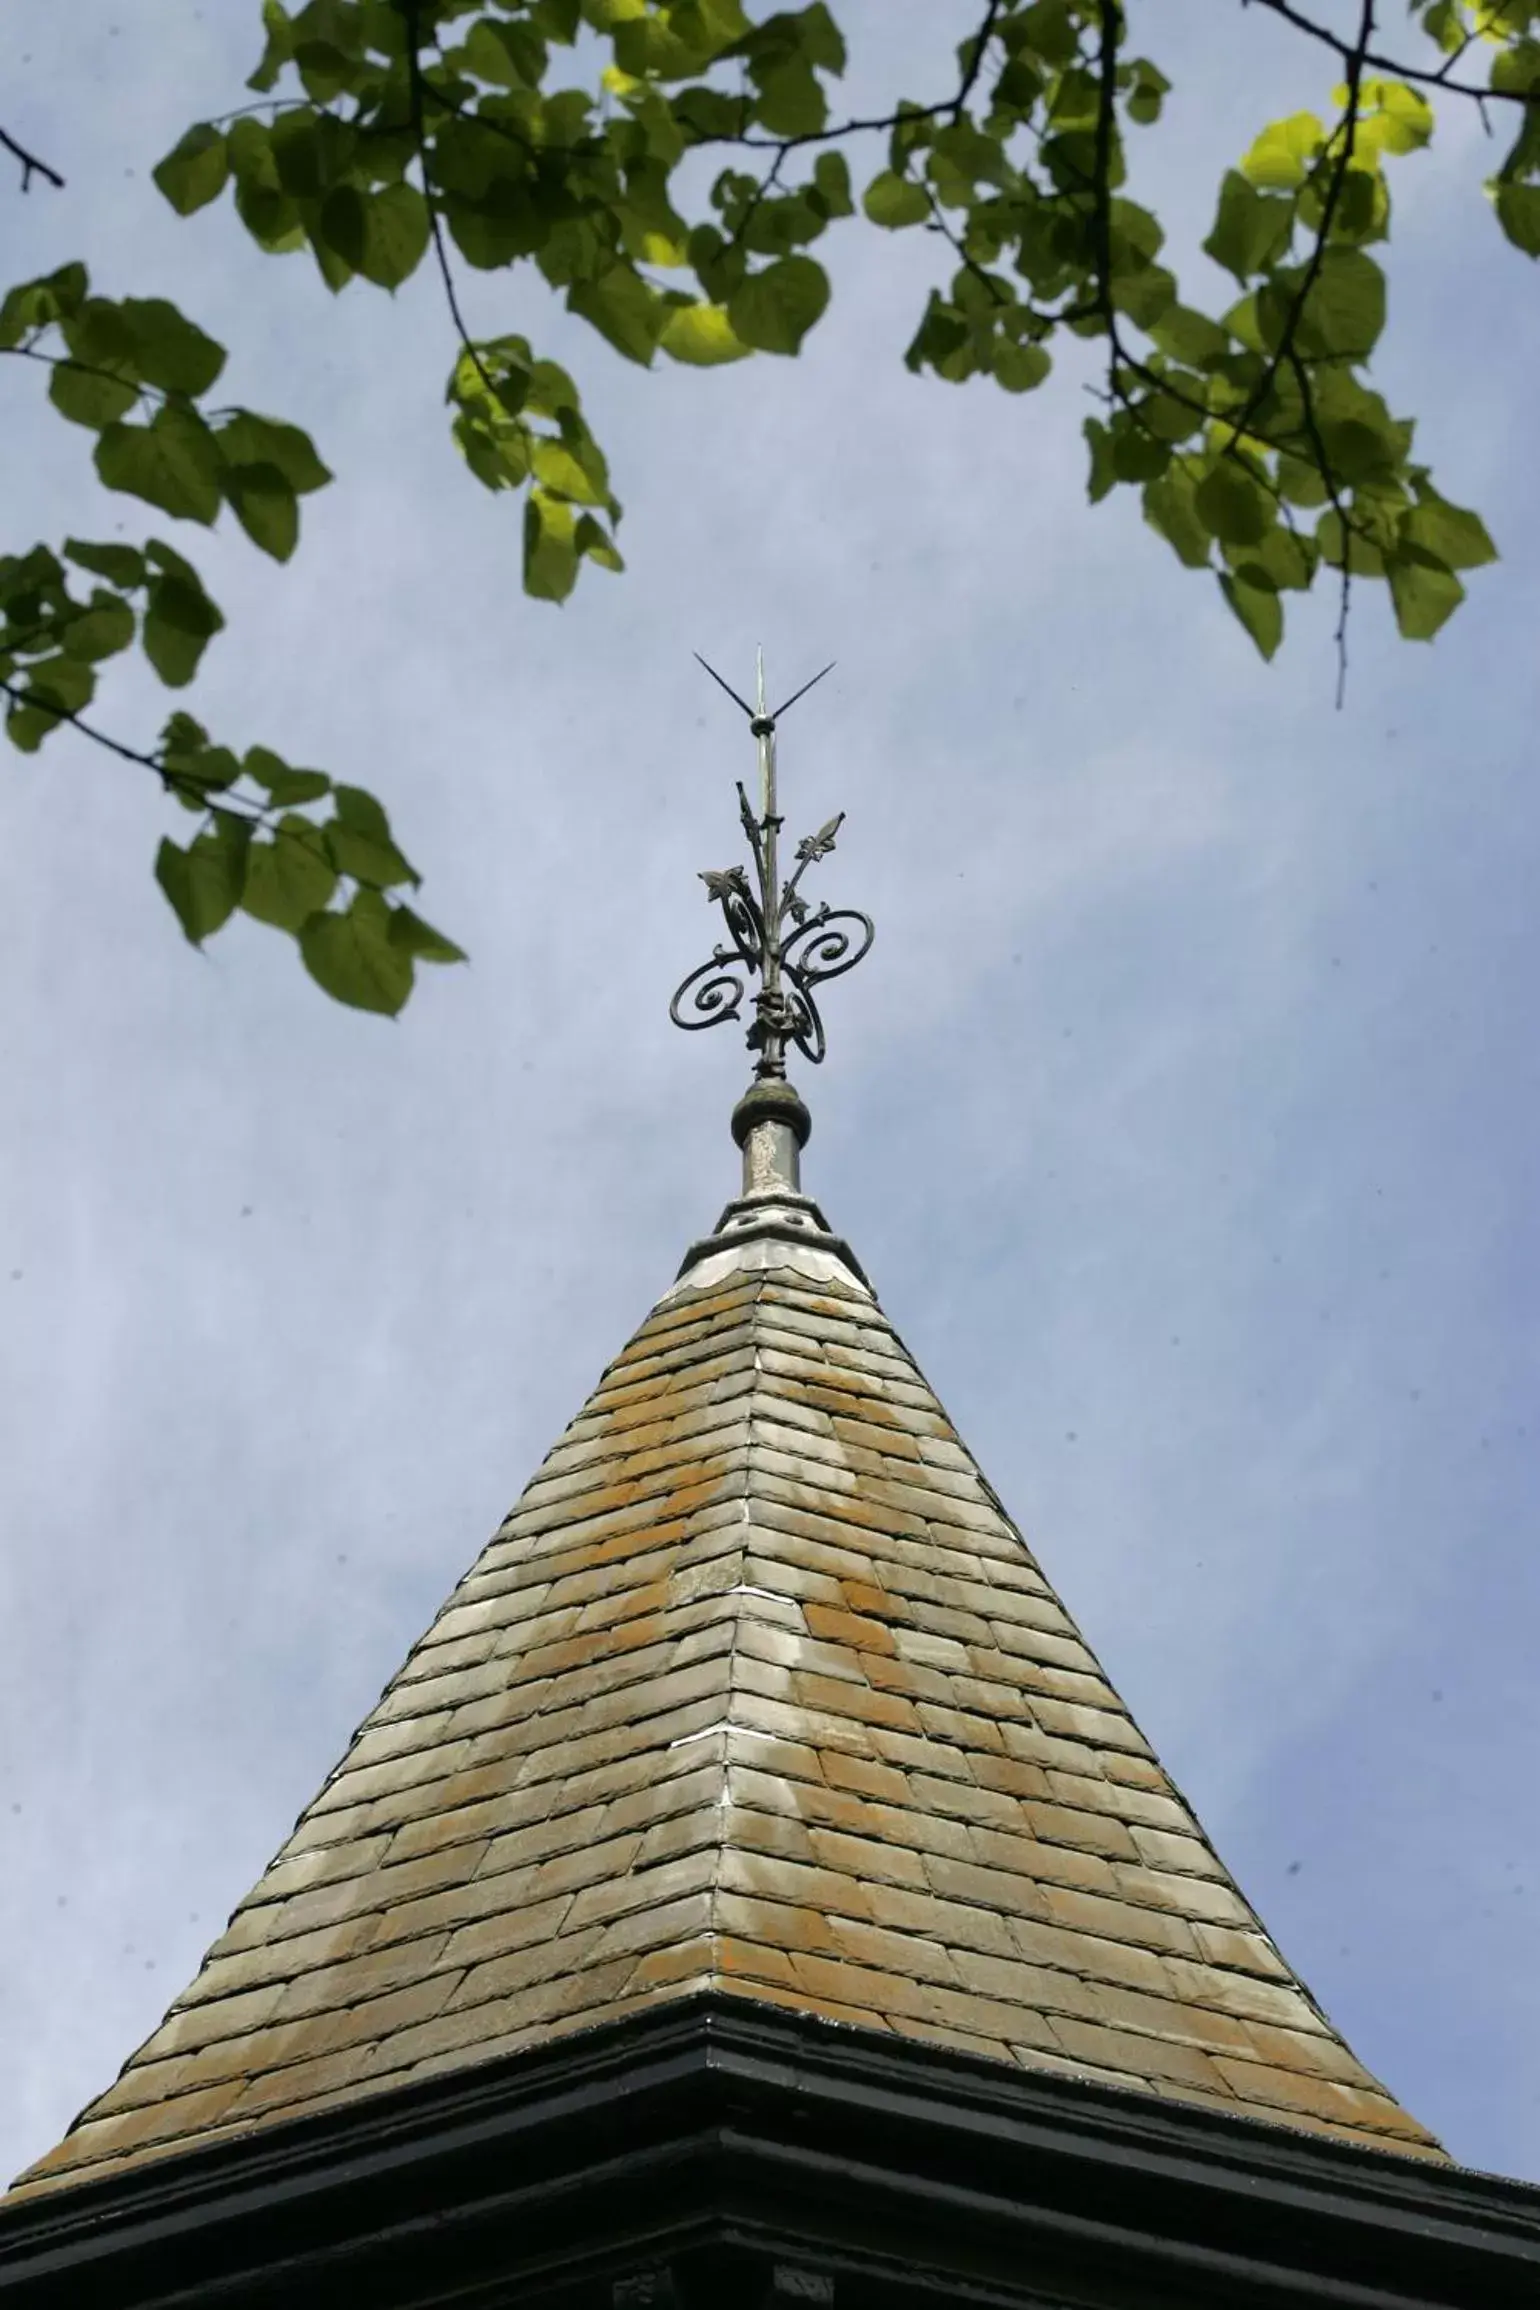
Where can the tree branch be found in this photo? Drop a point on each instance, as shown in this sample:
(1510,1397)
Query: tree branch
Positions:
(1334,494)
(1348,129)
(975,65)
(174,781)
(31,166)
(1382,63)
(81,368)
(416,85)
(949,107)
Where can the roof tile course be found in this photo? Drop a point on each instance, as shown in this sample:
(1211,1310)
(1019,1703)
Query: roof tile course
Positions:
(757,1689)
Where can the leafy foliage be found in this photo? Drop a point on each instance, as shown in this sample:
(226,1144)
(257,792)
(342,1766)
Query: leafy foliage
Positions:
(1259,449)
(567,137)
(134,373)
(326,881)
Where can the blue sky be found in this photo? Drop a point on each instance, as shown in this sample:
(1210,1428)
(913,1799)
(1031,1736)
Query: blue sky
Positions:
(1184,1114)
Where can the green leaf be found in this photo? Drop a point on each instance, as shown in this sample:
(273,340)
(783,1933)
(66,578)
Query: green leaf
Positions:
(102,630)
(1019,368)
(1345,310)
(290,877)
(171,351)
(362,851)
(353,957)
(1423,590)
(1362,212)
(1170,416)
(279,47)
(624,308)
(703,336)
(416,937)
(204,882)
(791,98)
(893,201)
(358,808)
(330,61)
(396,229)
(27,726)
(508,55)
(1257,607)
(1189,337)
(63,682)
(1301,483)
(1284,561)
(179,621)
(831,182)
(1137,455)
(1284,153)
(1103,474)
(335,271)
(557,469)
(171,462)
(246,439)
(283,784)
(120,564)
(1144,292)
(183,737)
(1251,230)
(1230,505)
(34,304)
(1518,212)
(1168,508)
(1149,88)
(270,215)
(265,506)
(298,154)
(1403,117)
(594,543)
(1448,532)
(1366,557)
(343,224)
(90,396)
(550,547)
(1515,70)
(196,771)
(101,334)
(166,557)
(773,310)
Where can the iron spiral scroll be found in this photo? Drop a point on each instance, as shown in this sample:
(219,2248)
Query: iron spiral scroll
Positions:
(773,935)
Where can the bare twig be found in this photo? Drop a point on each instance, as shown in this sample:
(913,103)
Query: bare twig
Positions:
(1329,481)
(751,210)
(31,166)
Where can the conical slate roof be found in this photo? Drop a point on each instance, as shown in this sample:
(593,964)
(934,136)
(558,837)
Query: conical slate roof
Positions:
(758,1690)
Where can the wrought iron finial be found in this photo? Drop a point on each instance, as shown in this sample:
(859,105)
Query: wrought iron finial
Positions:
(774,934)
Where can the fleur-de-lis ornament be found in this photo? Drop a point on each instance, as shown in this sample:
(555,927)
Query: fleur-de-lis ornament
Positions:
(774,935)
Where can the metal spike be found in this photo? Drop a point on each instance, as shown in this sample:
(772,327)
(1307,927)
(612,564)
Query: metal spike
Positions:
(802,693)
(721,685)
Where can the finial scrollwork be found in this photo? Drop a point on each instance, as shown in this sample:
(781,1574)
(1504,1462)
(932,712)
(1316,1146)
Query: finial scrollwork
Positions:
(773,934)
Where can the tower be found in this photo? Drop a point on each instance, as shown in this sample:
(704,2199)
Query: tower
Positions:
(750,1890)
